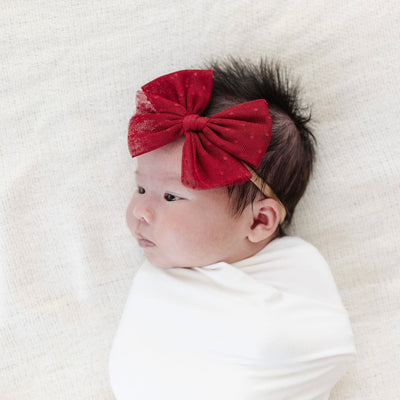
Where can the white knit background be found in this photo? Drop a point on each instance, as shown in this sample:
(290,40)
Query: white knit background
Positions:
(68,75)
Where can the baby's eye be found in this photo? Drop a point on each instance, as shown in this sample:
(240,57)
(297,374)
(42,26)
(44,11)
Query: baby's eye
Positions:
(141,190)
(171,197)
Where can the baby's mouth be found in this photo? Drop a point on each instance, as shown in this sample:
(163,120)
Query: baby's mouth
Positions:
(143,242)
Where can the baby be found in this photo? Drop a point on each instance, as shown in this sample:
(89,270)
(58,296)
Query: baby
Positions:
(226,305)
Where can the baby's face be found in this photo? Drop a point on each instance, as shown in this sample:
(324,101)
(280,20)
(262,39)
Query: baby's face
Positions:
(180,227)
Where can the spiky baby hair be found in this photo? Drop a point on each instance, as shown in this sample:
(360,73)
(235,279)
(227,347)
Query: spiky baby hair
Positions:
(288,162)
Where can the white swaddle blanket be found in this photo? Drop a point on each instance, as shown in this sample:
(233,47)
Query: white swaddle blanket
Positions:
(268,327)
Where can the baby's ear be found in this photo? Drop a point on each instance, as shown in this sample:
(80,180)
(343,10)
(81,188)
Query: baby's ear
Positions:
(266,217)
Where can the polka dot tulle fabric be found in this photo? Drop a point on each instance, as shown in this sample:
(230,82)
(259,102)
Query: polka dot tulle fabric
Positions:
(215,148)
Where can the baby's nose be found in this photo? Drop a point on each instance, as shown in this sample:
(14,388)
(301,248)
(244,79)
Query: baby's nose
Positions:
(143,212)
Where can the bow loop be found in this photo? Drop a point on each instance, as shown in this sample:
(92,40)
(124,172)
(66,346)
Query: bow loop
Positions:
(216,147)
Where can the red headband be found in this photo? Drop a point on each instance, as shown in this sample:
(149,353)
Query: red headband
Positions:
(215,148)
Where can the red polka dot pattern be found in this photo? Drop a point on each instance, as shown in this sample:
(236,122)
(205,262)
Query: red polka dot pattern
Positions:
(214,149)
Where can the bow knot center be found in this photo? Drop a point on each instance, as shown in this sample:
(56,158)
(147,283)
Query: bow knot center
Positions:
(194,122)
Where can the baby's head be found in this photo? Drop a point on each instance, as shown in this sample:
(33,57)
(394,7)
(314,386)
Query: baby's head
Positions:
(287,164)
(207,190)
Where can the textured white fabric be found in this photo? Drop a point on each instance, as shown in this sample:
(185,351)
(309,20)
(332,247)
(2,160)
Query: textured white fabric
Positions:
(268,327)
(69,71)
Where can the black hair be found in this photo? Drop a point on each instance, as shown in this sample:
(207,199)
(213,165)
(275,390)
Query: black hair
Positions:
(288,162)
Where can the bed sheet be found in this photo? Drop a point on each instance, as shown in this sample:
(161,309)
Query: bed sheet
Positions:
(69,73)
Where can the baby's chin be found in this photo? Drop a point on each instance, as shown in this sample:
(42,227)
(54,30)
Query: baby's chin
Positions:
(157,261)
(163,263)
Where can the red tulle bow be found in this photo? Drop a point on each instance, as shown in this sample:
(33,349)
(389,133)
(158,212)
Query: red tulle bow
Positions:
(214,148)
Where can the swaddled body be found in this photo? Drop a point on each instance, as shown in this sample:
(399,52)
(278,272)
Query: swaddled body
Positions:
(268,327)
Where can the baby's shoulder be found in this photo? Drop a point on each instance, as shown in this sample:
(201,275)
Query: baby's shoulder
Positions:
(299,251)
(297,267)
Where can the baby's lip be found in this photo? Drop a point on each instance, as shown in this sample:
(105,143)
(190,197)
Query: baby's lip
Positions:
(144,242)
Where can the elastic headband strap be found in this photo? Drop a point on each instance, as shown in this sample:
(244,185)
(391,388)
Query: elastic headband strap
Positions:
(266,190)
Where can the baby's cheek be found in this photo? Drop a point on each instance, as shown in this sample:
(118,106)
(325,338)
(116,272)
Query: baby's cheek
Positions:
(200,236)
(129,217)
(183,236)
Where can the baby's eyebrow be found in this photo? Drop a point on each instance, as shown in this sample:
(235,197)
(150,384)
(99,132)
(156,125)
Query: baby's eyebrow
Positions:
(136,174)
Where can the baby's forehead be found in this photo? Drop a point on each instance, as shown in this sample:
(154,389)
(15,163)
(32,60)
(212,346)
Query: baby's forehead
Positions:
(164,163)
(163,175)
